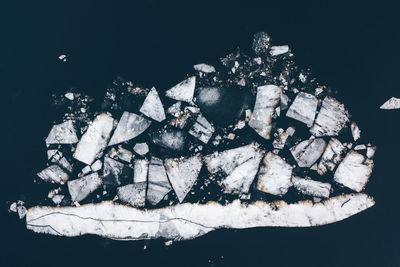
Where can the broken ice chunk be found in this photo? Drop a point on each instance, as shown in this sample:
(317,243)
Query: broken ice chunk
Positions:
(141,148)
(140,170)
(307,152)
(57,199)
(392,103)
(331,118)
(170,138)
(303,108)
(284,101)
(239,167)
(53,174)
(129,126)
(51,153)
(274,175)
(63,162)
(175,109)
(355,131)
(152,106)
(158,184)
(112,171)
(97,165)
(311,188)
(124,154)
(133,194)
(360,147)
(21,210)
(202,129)
(183,91)
(280,140)
(278,50)
(63,133)
(354,171)
(69,96)
(332,155)
(95,139)
(204,68)
(371,151)
(182,174)
(261,42)
(80,188)
(267,98)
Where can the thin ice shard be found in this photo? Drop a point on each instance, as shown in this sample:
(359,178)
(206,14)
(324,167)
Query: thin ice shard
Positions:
(355,131)
(266,100)
(95,139)
(53,174)
(274,176)
(239,167)
(158,184)
(279,50)
(152,106)
(129,126)
(189,220)
(331,118)
(354,171)
(307,152)
(392,103)
(183,91)
(63,133)
(303,108)
(80,188)
(182,174)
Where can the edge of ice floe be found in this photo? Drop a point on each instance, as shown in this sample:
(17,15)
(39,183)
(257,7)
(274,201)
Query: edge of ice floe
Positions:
(189,220)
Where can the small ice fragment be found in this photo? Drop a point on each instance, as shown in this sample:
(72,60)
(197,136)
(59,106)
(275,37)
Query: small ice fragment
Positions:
(57,199)
(94,140)
(290,131)
(284,102)
(360,147)
(51,153)
(69,96)
(371,151)
(392,103)
(63,162)
(80,188)
(62,58)
(129,126)
(332,155)
(354,171)
(311,188)
(280,139)
(175,109)
(278,50)
(158,184)
(63,133)
(112,171)
(307,152)
(204,68)
(331,118)
(183,91)
(202,129)
(86,170)
(21,210)
(141,148)
(13,207)
(355,131)
(303,108)
(97,165)
(267,98)
(124,154)
(239,167)
(182,174)
(133,194)
(152,106)
(274,176)
(140,170)
(53,174)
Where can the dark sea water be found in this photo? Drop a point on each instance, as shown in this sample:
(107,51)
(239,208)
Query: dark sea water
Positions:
(353,48)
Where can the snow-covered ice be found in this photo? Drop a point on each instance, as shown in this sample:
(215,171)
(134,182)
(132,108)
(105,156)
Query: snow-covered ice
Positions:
(392,103)
(311,188)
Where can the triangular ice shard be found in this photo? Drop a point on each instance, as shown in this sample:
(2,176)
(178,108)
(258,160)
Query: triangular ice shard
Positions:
(152,106)
(63,133)
(158,184)
(183,91)
(79,189)
(182,174)
(129,126)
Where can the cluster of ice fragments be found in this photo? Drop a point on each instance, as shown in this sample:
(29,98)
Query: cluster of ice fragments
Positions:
(254,128)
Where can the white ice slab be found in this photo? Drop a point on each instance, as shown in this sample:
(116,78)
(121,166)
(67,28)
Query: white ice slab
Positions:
(183,91)
(205,68)
(129,126)
(303,108)
(392,103)
(80,188)
(133,194)
(53,174)
(95,139)
(279,50)
(140,170)
(307,152)
(152,106)
(202,129)
(267,98)
(63,133)
(187,221)
(332,155)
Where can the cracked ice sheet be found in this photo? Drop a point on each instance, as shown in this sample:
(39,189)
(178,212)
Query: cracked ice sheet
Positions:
(267,98)
(188,220)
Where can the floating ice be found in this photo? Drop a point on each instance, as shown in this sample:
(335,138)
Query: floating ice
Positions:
(170,138)
(140,170)
(392,103)
(204,68)
(158,184)
(95,139)
(63,133)
(308,152)
(332,155)
(267,98)
(202,129)
(53,174)
(261,42)
(182,174)
(183,91)
(133,194)
(355,131)
(141,148)
(279,50)
(129,126)
(80,188)
(303,108)
(152,106)
(311,188)
(112,171)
